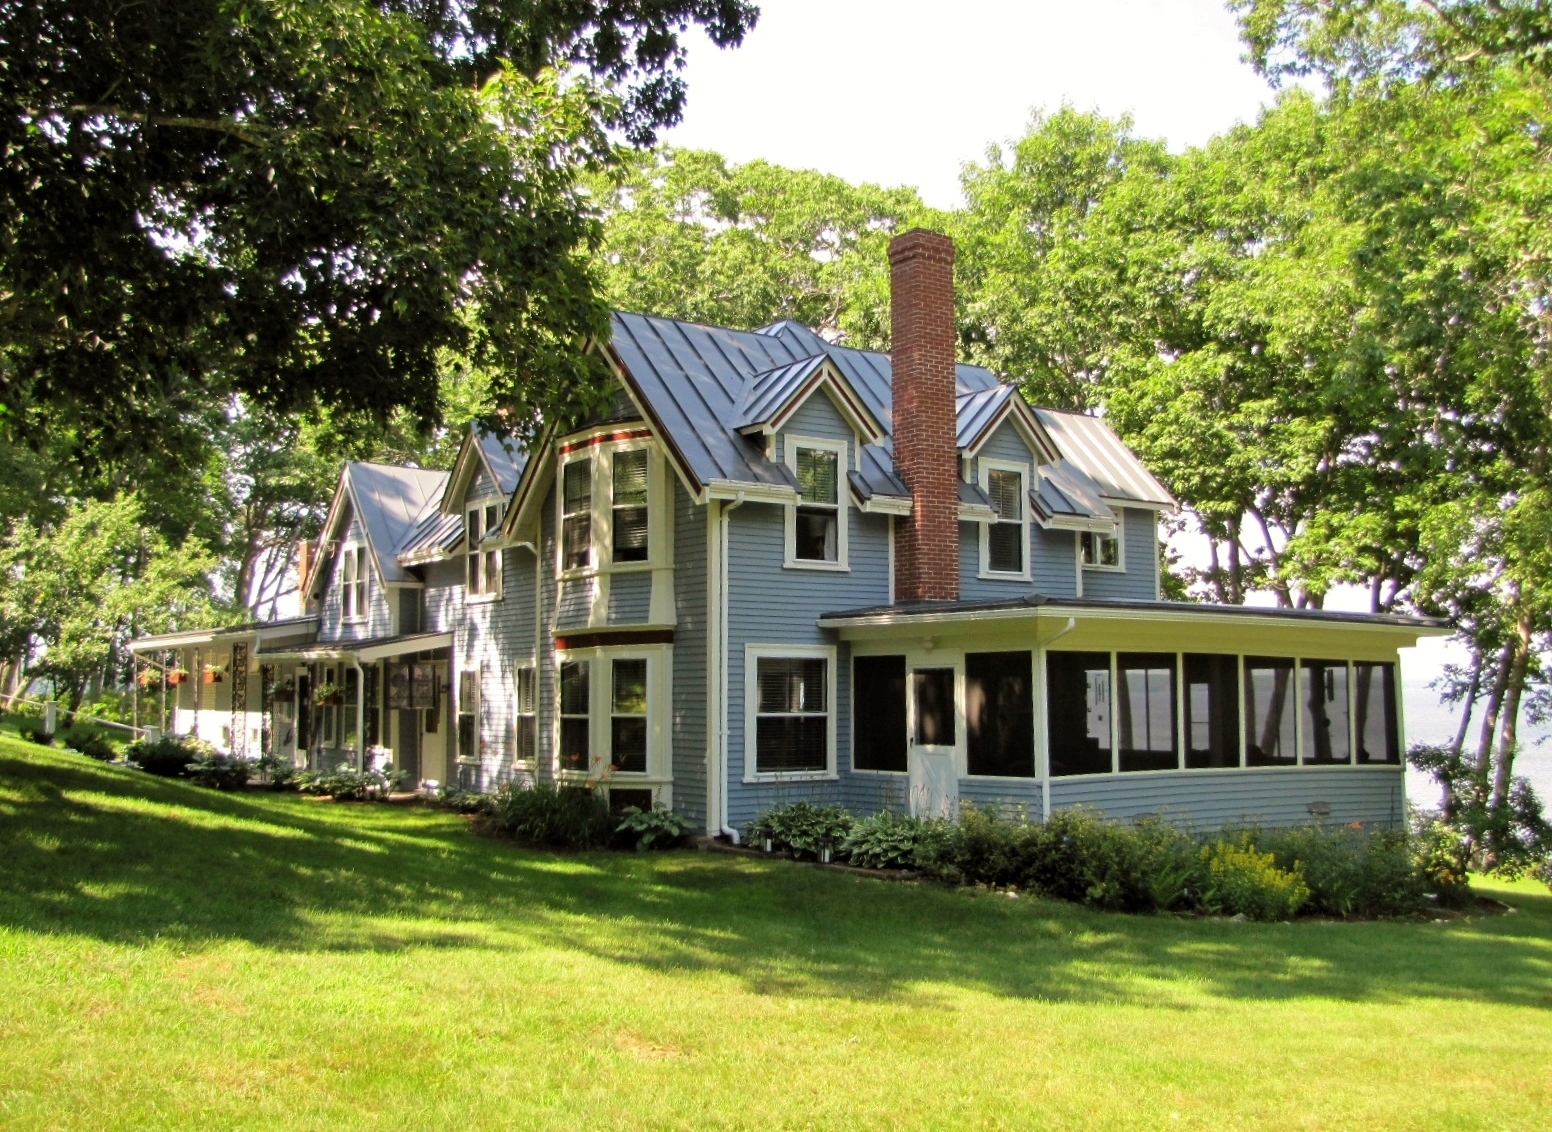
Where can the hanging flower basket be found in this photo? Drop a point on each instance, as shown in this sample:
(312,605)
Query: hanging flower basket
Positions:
(212,676)
(329,695)
(178,676)
(283,693)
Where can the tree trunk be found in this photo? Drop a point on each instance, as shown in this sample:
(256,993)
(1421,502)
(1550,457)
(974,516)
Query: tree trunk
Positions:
(1459,744)
(1503,771)
(1490,722)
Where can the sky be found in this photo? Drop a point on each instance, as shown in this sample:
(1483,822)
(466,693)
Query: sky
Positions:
(906,93)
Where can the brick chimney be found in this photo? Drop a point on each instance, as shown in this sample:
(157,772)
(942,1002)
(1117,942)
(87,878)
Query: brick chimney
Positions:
(921,315)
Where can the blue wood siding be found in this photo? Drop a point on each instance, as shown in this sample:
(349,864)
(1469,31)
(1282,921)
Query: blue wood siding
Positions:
(1139,582)
(1208,800)
(688,725)
(379,619)
(630,597)
(494,639)
(819,418)
(1053,555)
(575,602)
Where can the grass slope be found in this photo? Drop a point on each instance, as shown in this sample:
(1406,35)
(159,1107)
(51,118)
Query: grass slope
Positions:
(170,957)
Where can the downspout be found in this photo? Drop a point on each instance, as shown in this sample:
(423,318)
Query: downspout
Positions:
(722,697)
(1045,780)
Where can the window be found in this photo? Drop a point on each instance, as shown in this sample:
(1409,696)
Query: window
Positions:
(353,583)
(1375,695)
(1212,710)
(817,522)
(527,738)
(468,714)
(483,576)
(1326,712)
(1145,710)
(792,721)
(1269,711)
(575,749)
(999,714)
(628,716)
(630,505)
(1100,552)
(933,691)
(1005,538)
(1078,691)
(577,515)
(878,713)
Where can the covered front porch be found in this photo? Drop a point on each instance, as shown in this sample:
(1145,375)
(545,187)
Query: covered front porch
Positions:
(1206,715)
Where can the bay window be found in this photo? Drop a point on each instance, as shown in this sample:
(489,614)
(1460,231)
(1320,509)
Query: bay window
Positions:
(576,750)
(628,715)
(577,514)
(630,505)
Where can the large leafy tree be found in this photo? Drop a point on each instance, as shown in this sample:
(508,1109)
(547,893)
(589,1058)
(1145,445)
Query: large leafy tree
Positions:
(307,202)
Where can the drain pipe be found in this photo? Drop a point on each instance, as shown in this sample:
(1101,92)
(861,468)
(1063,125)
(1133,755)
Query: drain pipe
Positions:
(722,694)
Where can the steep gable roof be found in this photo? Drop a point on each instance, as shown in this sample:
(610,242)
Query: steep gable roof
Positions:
(389,501)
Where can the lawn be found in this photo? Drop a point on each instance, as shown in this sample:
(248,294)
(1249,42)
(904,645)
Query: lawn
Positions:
(172,957)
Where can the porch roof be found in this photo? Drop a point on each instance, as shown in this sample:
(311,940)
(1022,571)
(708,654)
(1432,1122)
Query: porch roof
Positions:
(375,648)
(257,629)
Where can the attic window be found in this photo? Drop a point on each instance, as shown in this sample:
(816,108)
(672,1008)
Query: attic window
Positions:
(353,583)
(484,565)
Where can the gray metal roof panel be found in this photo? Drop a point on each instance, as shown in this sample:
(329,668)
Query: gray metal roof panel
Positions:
(389,501)
(1088,442)
(505,456)
(1065,489)
(765,394)
(436,531)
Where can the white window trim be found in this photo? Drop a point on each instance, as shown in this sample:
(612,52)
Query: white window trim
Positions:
(601,550)
(752,656)
(987,466)
(487,595)
(1120,540)
(600,691)
(790,561)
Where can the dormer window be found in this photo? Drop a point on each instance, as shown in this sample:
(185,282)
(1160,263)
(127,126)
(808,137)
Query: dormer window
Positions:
(630,505)
(483,573)
(576,522)
(1100,552)
(1006,537)
(353,583)
(816,525)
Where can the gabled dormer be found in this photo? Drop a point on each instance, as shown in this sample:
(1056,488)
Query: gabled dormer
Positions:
(473,506)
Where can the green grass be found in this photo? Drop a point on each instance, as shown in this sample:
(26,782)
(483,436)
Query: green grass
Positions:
(172,957)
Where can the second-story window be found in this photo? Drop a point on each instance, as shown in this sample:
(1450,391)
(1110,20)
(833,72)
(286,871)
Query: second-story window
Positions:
(817,537)
(1005,537)
(484,564)
(630,505)
(576,534)
(353,583)
(1101,552)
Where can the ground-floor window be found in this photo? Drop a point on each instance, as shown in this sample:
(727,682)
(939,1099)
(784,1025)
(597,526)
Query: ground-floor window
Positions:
(1326,712)
(1078,695)
(526,715)
(628,715)
(613,710)
(789,711)
(1269,714)
(469,713)
(1212,710)
(1376,729)
(878,713)
(999,714)
(575,715)
(1145,710)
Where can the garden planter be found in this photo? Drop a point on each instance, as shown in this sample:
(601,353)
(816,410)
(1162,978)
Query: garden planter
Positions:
(212,678)
(177,678)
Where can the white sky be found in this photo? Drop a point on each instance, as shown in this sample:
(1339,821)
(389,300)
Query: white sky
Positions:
(905,93)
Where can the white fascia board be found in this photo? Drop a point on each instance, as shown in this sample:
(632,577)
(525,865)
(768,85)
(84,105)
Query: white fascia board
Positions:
(750,492)
(883,505)
(976,513)
(1076,523)
(1139,504)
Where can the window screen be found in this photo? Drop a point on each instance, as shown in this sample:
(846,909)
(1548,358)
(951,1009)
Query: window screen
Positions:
(1375,697)
(999,714)
(1269,711)
(575,751)
(1078,689)
(628,715)
(1145,710)
(630,505)
(792,714)
(576,512)
(1212,710)
(933,689)
(818,515)
(878,713)
(1326,712)
(1005,537)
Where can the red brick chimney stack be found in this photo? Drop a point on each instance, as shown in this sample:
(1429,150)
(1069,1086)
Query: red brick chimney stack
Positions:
(921,279)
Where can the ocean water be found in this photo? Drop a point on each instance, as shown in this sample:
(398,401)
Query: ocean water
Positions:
(1429,721)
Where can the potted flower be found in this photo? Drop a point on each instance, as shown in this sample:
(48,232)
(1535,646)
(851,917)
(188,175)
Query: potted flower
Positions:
(283,693)
(178,676)
(329,694)
(212,674)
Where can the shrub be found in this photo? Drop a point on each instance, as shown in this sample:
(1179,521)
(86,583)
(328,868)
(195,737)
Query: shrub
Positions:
(888,840)
(657,828)
(1350,871)
(170,755)
(278,773)
(1441,855)
(463,801)
(36,735)
(344,783)
(90,744)
(570,817)
(221,772)
(801,827)
(1242,880)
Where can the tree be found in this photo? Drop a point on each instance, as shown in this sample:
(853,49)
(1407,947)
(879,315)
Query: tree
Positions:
(306,202)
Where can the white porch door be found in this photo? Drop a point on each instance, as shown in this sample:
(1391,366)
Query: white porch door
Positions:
(933,727)
(433,733)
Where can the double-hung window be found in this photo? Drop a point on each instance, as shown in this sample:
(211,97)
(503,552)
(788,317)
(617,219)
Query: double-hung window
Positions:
(484,565)
(576,523)
(353,583)
(576,749)
(790,713)
(469,713)
(629,518)
(816,531)
(527,715)
(1006,537)
(628,715)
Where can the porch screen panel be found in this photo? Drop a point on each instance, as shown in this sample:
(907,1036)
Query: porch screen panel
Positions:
(1000,714)
(1078,692)
(1212,710)
(1326,712)
(1379,739)
(574,705)
(878,713)
(1145,710)
(1269,708)
(933,689)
